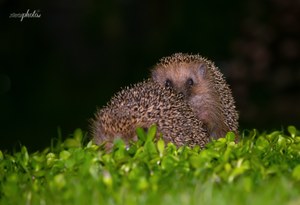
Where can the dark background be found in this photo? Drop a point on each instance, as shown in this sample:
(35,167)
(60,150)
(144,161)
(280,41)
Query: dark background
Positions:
(55,70)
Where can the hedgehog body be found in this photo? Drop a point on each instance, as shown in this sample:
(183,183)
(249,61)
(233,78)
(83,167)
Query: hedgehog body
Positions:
(142,105)
(203,87)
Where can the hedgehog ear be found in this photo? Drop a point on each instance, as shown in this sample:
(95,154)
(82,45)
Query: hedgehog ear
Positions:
(154,74)
(202,70)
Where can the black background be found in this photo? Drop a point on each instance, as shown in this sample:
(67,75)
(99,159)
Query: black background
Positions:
(55,70)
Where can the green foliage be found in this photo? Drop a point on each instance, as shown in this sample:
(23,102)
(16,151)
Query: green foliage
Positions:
(262,168)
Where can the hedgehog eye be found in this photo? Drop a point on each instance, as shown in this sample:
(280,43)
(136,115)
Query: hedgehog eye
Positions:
(190,82)
(168,83)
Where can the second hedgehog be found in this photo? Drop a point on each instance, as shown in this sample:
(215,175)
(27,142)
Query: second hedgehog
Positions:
(204,89)
(142,105)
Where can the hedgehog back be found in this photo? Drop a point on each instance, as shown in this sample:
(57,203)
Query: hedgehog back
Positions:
(142,105)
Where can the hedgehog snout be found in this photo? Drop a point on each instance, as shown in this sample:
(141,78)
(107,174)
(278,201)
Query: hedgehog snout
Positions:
(185,92)
(182,94)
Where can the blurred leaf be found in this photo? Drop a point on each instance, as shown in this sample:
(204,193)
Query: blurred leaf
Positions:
(71,143)
(78,135)
(273,137)
(292,130)
(150,148)
(141,134)
(64,155)
(161,147)
(59,181)
(168,163)
(151,133)
(142,183)
(1,155)
(230,137)
(25,156)
(196,161)
(296,172)
(282,141)
(262,143)
(107,179)
(248,184)
(119,149)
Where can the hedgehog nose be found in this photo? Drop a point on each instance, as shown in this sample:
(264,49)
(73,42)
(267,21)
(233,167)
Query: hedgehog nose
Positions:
(181,94)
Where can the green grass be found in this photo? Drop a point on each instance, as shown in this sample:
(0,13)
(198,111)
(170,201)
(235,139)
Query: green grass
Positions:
(263,168)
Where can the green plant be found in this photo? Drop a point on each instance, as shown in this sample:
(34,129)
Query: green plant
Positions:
(262,168)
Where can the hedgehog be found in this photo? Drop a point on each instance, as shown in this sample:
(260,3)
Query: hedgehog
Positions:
(204,89)
(142,105)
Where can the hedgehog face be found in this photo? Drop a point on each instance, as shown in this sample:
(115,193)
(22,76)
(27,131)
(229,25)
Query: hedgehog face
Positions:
(204,89)
(184,78)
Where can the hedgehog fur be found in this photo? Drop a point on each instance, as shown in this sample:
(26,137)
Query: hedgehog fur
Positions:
(203,87)
(142,105)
